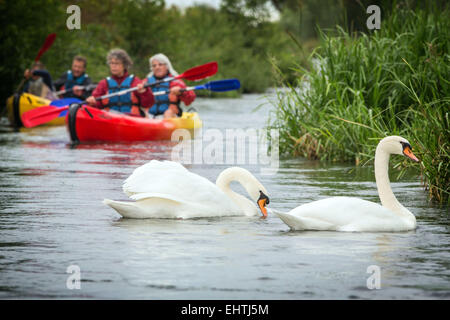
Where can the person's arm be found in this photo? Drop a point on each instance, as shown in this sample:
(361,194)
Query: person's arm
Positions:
(187,96)
(45,77)
(100,90)
(146,98)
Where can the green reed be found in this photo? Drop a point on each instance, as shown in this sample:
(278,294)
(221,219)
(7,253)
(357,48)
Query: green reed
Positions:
(361,88)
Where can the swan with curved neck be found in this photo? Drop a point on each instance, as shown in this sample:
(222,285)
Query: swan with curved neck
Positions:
(253,187)
(353,214)
(168,190)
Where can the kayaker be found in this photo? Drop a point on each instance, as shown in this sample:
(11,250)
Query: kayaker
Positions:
(71,80)
(39,81)
(134,102)
(168,104)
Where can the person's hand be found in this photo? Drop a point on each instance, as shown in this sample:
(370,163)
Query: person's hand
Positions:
(176,90)
(140,87)
(91,101)
(77,90)
(27,74)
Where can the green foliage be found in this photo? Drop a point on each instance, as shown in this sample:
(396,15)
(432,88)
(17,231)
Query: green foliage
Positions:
(143,28)
(239,41)
(29,30)
(431,137)
(360,89)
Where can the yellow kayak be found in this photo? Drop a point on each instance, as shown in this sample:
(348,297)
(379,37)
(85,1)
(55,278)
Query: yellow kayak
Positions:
(18,104)
(189,120)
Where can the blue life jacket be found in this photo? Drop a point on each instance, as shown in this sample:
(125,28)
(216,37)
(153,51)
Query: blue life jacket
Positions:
(161,102)
(71,81)
(123,102)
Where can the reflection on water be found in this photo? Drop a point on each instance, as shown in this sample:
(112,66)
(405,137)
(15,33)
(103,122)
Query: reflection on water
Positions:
(51,217)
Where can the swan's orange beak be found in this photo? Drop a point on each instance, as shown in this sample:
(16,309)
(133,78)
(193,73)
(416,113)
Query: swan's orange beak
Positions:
(408,152)
(262,202)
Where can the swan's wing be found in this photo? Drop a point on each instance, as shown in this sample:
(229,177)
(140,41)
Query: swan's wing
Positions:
(171,180)
(153,173)
(145,195)
(303,223)
(342,213)
(150,208)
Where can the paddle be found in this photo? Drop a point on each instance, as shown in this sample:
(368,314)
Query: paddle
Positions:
(45,114)
(47,44)
(216,86)
(193,74)
(64,102)
(87,88)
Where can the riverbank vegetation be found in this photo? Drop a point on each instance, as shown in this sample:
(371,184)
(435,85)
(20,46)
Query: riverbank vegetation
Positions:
(243,36)
(361,87)
(241,43)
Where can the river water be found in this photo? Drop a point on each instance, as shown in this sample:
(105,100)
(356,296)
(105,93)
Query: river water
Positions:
(52,218)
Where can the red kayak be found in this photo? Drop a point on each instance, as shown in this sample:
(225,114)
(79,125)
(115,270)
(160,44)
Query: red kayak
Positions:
(86,123)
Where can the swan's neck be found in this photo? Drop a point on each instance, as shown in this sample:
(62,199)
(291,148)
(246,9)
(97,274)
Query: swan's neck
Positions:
(387,197)
(223,182)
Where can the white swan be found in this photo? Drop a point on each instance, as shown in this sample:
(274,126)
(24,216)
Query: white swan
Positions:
(353,214)
(168,190)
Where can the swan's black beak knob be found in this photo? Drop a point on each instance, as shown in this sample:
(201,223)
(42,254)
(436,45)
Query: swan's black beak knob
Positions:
(407,151)
(263,200)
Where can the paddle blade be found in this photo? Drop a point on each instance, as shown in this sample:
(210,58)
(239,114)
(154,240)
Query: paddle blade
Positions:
(222,85)
(47,44)
(41,115)
(200,72)
(64,102)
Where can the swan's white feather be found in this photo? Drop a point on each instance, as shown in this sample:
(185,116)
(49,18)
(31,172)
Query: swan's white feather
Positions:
(343,214)
(145,195)
(165,189)
(354,214)
(166,209)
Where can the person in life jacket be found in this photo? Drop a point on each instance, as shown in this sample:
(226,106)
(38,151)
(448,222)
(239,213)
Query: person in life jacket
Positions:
(135,102)
(73,79)
(39,82)
(168,104)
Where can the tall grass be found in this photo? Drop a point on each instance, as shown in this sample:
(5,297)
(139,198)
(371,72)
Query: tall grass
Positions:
(361,88)
(431,137)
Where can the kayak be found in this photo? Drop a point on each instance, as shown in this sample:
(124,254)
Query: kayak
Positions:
(86,124)
(18,104)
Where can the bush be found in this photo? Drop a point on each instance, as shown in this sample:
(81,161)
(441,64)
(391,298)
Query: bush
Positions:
(360,89)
